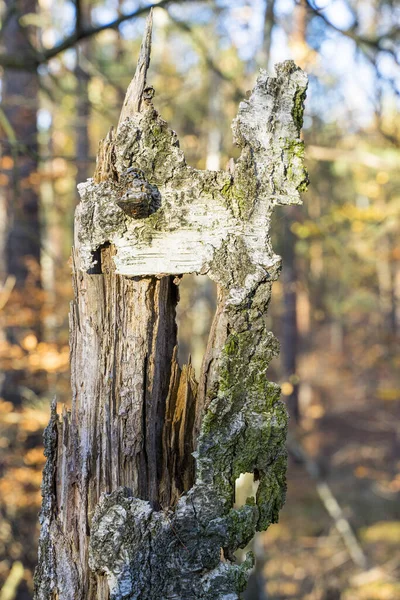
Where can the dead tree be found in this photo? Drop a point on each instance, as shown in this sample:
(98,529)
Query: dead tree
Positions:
(139,485)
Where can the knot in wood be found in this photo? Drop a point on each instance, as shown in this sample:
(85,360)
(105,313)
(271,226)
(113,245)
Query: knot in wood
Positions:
(138,197)
(148,94)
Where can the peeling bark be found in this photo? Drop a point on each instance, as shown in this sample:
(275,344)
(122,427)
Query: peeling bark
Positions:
(139,486)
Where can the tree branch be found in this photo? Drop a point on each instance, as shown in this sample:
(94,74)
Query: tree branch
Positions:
(361,41)
(38,57)
(330,503)
(206,54)
(78,16)
(10,12)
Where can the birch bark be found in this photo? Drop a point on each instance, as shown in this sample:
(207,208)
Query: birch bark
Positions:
(139,485)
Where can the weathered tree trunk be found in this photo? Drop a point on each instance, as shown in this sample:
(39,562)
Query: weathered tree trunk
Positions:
(139,485)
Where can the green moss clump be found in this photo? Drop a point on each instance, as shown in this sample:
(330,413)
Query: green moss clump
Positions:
(298,107)
(243,193)
(296,170)
(241,525)
(271,492)
(244,428)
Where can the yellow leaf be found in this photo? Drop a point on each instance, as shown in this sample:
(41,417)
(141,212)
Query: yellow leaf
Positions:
(382,177)
(29,342)
(357,226)
(286,388)
(388,394)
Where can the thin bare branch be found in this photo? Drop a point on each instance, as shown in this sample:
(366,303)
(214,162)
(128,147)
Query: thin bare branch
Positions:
(38,57)
(364,43)
(5,293)
(205,54)
(78,16)
(330,503)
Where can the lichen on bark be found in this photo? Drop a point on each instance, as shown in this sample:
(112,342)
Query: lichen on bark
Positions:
(202,214)
(126,514)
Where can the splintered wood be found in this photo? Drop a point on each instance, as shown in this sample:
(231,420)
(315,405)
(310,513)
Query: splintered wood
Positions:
(139,485)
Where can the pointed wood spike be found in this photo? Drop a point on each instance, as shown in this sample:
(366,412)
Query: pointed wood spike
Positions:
(134,94)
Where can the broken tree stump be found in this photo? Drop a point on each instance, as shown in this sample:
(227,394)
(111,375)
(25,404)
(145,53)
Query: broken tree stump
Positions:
(139,484)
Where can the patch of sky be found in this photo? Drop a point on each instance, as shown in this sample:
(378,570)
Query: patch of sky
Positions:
(308,122)
(196,12)
(242,25)
(101,15)
(337,52)
(335,92)
(360,94)
(366,18)
(279,46)
(337,12)
(63,20)
(54,66)
(321,103)
(390,101)
(69,58)
(256,25)
(317,32)
(229,3)
(388,68)
(128,6)
(284,8)
(390,15)
(132,29)
(42,70)
(186,56)
(44,119)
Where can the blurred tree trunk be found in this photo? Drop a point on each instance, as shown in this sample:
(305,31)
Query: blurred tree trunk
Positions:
(290,334)
(20,162)
(82,117)
(214,135)
(139,484)
(386,277)
(83,106)
(269,23)
(214,138)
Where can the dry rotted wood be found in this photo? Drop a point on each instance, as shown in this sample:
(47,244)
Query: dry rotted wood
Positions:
(139,484)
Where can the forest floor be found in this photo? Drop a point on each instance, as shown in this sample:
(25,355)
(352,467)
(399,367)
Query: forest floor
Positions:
(349,427)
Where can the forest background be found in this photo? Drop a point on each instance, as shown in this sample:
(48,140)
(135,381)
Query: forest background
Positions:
(65,67)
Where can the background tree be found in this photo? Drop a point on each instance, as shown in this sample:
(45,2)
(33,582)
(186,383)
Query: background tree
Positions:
(22,240)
